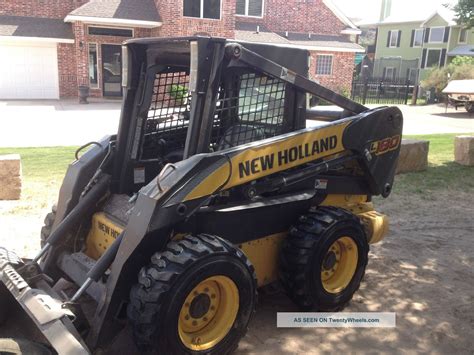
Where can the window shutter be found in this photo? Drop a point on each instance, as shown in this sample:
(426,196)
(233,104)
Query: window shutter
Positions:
(399,38)
(388,38)
(443,57)
(423,58)
(408,74)
(384,72)
(394,73)
(412,38)
(427,34)
(446,34)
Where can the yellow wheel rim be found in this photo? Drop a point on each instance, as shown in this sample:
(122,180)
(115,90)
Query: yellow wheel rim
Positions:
(339,265)
(208,313)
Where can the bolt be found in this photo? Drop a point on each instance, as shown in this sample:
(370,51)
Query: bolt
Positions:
(186,304)
(205,319)
(213,308)
(206,290)
(196,340)
(195,322)
(186,317)
(213,296)
(195,293)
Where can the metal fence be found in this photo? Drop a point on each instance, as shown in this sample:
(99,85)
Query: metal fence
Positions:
(382,91)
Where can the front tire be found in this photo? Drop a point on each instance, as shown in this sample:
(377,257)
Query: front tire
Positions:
(469,106)
(323,259)
(197,296)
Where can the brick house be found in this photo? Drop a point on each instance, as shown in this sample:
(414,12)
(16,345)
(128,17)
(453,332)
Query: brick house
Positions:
(49,47)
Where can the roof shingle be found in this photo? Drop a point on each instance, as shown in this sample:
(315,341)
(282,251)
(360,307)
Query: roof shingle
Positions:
(21,26)
(140,10)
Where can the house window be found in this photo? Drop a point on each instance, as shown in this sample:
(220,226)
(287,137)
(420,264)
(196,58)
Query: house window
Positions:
(412,75)
(107,31)
(202,9)
(324,65)
(418,38)
(393,38)
(463,35)
(93,78)
(253,8)
(432,58)
(436,34)
(389,73)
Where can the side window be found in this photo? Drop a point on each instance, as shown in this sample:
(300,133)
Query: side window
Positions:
(168,116)
(250,107)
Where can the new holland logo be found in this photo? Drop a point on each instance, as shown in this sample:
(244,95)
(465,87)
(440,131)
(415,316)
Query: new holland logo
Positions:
(385,145)
(286,156)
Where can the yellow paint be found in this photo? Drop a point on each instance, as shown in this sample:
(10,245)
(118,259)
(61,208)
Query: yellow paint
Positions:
(263,253)
(204,330)
(339,265)
(376,225)
(214,180)
(101,235)
(344,201)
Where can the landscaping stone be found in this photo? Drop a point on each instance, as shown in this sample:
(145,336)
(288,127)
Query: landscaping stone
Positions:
(10,177)
(464,150)
(413,156)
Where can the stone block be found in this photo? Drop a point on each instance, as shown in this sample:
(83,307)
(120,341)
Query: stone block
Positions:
(10,177)
(413,156)
(464,150)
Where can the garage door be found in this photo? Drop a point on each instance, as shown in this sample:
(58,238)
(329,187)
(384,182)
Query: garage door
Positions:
(28,71)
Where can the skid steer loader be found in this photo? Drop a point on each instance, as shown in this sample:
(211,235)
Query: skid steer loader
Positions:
(212,188)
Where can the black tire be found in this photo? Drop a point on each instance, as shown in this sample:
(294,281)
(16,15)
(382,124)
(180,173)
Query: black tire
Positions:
(306,248)
(22,347)
(469,106)
(48,225)
(164,285)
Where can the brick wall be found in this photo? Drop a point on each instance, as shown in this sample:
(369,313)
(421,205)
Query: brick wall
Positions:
(175,24)
(342,70)
(67,70)
(39,8)
(304,16)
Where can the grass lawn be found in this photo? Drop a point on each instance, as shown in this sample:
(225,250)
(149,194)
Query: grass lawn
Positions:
(44,168)
(442,174)
(43,171)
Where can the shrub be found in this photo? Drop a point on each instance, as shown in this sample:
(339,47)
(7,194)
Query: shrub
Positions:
(460,68)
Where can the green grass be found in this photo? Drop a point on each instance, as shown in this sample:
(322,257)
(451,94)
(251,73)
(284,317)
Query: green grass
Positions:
(43,170)
(443,174)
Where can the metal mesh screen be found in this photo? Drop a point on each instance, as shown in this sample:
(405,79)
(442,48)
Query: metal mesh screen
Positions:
(168,116)
(250,107)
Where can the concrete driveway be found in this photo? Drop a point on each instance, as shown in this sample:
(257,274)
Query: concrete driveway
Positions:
(66,123)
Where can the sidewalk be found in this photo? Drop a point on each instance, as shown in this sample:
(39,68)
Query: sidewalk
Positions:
(56,123)
(66,123)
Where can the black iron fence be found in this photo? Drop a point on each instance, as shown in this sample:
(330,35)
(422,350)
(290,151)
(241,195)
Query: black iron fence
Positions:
(382,91)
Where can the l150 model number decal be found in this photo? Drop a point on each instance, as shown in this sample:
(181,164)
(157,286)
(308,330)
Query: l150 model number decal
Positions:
(385,145)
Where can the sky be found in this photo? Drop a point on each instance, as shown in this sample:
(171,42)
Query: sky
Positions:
(369,10)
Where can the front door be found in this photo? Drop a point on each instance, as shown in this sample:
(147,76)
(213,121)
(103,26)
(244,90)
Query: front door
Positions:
(112,69)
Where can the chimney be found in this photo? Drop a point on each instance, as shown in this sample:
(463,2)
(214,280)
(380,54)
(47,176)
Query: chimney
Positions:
(386,9)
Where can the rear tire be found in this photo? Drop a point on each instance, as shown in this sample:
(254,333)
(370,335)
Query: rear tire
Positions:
(323,259)
(22,347)
(469,106)
(196,296)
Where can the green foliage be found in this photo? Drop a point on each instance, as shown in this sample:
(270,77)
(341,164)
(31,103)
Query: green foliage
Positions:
(460,68)
(464,11)
(178,92)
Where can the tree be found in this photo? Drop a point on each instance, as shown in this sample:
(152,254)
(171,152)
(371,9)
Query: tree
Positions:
(460,68)
(464,11)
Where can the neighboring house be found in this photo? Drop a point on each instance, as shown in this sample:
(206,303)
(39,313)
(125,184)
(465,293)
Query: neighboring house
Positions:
(48,48)
(409,45)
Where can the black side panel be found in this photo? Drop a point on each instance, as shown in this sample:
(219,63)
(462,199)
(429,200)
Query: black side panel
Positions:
(376,138)
(77,176)
(252,221)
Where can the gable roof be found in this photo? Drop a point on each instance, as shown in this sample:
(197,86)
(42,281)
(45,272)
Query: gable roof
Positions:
(416,16)
(340,15)
(446,14)
(248,32)
(38,27)
(140,13)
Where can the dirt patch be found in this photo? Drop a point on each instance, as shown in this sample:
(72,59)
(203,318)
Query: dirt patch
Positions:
(423,271)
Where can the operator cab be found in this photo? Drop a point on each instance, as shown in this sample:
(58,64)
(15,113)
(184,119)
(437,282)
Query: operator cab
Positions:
(184,104)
